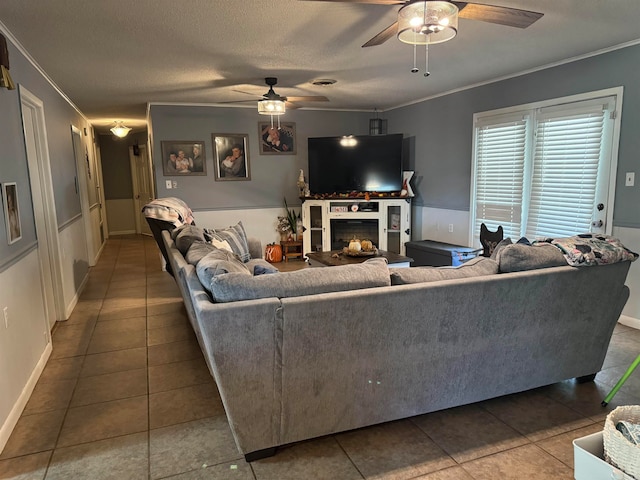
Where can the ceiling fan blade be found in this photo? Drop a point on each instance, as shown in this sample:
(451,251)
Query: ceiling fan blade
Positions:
(383,36)
(243,92)
(512,17)
(372,2)
(291,106)
(315,98)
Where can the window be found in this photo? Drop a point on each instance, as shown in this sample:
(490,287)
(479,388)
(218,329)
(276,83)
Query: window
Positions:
(544,170)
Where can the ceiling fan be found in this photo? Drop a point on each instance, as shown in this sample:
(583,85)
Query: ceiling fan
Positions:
(271,98)
(512,17)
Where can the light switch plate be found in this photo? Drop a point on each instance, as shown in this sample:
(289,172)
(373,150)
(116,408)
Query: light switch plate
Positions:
(168,184)
(630,179)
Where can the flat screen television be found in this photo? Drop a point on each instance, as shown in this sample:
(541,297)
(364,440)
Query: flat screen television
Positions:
(367,163)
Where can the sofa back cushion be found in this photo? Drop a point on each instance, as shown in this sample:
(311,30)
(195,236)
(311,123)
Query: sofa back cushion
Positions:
(473,268)
(309,281)
(518,257)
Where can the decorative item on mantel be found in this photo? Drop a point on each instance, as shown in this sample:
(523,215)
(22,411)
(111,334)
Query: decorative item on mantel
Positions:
(302,185)
(407,191)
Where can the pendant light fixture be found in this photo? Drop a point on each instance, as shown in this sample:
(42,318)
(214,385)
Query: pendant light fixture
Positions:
(119,129)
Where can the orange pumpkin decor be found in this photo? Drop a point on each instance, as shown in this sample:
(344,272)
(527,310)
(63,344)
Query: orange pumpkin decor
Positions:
(273,253)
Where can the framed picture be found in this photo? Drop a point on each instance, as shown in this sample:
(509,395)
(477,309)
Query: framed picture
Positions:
(182,158)
(231,156)
(11,212)
(277,140)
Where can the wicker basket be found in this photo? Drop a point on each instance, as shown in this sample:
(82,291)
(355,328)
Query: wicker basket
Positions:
(619,451)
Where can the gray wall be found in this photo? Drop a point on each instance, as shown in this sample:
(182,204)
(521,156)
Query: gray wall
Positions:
(59,117)
(443,128)
(272,176)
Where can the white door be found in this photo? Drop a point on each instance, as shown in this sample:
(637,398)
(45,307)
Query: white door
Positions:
(142,186)
(83,174)
(43,205)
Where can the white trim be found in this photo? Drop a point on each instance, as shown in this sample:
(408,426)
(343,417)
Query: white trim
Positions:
(123,232)
(21,402)
(629,321)
(74,301)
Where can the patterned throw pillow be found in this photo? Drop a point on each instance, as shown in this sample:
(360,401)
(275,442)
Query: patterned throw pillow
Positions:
(235,237)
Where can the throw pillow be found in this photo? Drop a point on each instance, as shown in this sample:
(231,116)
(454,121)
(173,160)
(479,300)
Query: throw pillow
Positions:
(219,262)
(476,267)
(503,243)
(235,237)
(519,257)
(308,281)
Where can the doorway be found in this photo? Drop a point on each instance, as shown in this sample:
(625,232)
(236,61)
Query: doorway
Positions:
(43,204)
(142,185)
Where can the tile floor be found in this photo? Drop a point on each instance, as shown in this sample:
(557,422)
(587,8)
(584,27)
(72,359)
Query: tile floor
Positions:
(126,394)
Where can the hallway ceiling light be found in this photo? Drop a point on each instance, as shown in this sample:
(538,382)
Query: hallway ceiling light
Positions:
(119,130)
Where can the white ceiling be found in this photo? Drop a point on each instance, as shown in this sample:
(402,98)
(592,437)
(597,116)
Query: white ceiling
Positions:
(111,57)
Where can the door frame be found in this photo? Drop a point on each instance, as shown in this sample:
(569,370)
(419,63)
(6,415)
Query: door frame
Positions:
(45,216)
(76,134)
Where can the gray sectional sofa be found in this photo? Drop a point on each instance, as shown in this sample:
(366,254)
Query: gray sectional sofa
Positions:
(299,367)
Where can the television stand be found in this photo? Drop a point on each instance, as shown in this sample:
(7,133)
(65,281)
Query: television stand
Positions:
(329,223)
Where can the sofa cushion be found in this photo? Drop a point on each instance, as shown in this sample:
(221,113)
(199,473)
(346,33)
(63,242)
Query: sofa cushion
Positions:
(503,243)
(308,281)
(233,238)
(219,262)
(518,257)
(473,268)
(185,235)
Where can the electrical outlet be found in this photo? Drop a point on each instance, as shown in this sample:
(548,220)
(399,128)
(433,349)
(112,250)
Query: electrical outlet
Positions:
(6,317)
(175,183)
(168,184)
(630,179)
(451,228)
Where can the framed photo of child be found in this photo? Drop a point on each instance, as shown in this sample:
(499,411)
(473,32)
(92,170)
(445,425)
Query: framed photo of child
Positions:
(231,156)
(279,140)
(11,212)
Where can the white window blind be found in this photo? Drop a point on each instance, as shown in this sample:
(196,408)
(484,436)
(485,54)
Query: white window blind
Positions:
(500,157)
(540,172)
(568,151)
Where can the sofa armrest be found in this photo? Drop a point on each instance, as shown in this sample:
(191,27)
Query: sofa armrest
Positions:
(255,247)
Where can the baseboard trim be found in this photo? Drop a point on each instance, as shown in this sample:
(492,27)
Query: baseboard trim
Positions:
(122,232)
(629,321)
(18,407)
(74,301)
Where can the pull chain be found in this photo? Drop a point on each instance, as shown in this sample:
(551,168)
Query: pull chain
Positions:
(426,57)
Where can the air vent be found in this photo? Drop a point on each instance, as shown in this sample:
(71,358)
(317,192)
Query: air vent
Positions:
(323,82)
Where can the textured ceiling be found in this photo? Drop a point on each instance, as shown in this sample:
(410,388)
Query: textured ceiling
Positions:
(111,57)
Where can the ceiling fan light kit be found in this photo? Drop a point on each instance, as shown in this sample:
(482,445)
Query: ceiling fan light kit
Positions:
(271,107)
(423,23)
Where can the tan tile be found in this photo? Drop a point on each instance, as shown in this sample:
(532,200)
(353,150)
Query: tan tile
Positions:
(118,458)
(535,415)
(167,319)
(176,305)
(117,361)
(174,352)
(528,461)
(451,430)
(184,405)
(117,341)
(120,313)
(453,473)
(78,317)
(172,333)
(122,326)
(120,292)
(177,375)
(34,433)
(395,450)
(28,467)
(104,420)
(236,470)
(561,446)
(111,304)
(319,459)
(111,386)
(188,446)
(48,396)
(61,369)
(68,341)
